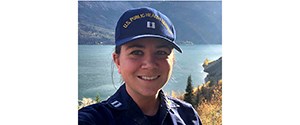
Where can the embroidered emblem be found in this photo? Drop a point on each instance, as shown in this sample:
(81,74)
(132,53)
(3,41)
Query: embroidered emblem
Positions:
(150,24)
(116,104)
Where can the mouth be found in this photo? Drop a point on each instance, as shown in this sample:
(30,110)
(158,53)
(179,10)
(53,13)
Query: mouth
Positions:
(149,78)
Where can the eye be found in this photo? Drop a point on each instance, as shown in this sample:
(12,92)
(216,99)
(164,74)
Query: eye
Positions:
(162,52)
(136,52)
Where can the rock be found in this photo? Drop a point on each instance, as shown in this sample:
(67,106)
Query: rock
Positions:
(214,70)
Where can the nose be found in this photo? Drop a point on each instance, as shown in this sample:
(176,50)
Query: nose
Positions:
(149,62)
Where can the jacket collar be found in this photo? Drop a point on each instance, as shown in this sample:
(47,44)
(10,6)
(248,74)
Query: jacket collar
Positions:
(122,101)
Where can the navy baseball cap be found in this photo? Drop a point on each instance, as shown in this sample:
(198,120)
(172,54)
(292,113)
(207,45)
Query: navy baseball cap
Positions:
(144,23)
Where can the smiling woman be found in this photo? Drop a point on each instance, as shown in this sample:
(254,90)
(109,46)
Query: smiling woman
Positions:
(145,66)
(144,57)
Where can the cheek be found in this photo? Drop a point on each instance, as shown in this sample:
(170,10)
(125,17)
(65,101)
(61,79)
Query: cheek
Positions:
(166,66)
(127,66)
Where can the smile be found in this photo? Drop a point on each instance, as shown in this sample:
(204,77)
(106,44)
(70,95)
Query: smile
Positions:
(148,78)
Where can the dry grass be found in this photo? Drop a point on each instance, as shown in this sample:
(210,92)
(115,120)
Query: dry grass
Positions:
(85,102)
(210,107)
(208,102)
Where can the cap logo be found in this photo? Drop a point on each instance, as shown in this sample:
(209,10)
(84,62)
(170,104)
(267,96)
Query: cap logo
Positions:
(146,15)
(150,24)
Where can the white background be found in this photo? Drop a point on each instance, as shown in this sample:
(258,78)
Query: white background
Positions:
(38,66)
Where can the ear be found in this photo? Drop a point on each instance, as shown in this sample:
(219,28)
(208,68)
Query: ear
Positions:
(116,58)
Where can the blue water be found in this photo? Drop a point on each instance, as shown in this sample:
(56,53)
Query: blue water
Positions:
(95,61)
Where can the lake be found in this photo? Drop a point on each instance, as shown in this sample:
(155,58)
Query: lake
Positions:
(95,72)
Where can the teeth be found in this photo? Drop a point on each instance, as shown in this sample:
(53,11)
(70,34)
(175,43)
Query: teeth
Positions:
(149,78)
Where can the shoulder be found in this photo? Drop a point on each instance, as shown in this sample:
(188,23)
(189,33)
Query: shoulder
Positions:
(180,103)
(181,107)
(95,114)
(185,111)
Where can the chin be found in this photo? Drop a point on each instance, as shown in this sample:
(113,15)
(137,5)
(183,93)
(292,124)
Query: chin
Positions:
(150,92)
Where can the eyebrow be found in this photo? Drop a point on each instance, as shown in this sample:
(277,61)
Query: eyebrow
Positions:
(164,46)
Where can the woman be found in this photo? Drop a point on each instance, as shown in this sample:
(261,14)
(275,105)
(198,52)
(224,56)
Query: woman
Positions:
(144,56)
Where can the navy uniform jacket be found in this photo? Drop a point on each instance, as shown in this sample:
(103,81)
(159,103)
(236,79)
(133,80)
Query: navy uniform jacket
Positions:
(120,109)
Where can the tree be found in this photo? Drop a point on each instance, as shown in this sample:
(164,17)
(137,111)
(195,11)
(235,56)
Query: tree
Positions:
(188,96)
(198,96)
(97,98)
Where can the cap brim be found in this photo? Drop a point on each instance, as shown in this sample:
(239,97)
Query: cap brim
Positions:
(129,39)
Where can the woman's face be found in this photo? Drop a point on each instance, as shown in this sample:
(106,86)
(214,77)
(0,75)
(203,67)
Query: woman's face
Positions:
(145,65)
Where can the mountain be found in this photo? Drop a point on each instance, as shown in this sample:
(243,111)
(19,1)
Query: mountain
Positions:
(196,22)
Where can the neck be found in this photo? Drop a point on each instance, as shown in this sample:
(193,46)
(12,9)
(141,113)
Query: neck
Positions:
(148,105)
